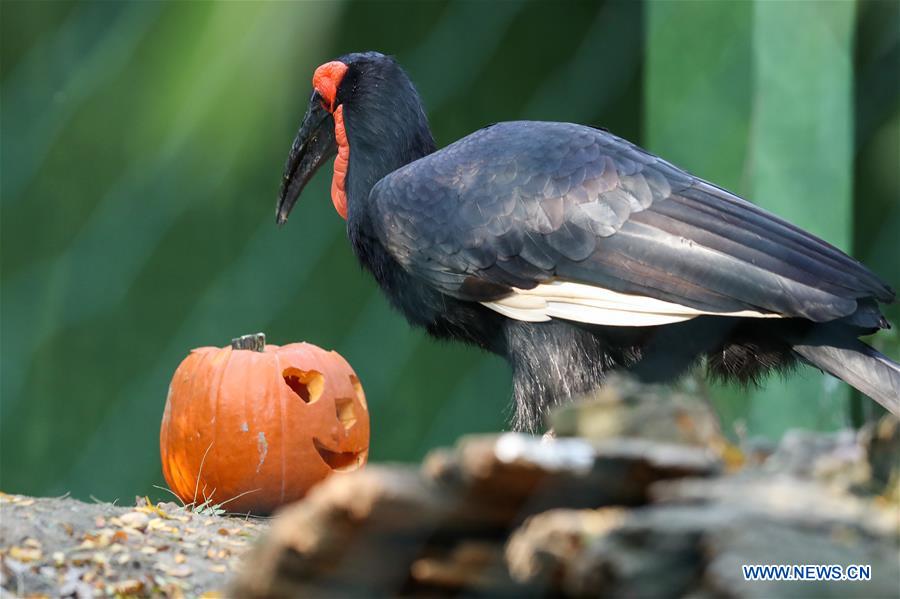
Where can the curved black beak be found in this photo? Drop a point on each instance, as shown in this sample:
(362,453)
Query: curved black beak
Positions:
(313,146)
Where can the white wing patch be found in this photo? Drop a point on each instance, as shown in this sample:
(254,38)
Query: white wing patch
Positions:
(595,305)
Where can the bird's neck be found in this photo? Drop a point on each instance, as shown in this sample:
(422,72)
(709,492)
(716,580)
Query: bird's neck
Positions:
(379,146)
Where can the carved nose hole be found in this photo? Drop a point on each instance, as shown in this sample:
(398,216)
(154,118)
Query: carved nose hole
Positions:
(346,413)
(360,394)
(340,460)
(307,384)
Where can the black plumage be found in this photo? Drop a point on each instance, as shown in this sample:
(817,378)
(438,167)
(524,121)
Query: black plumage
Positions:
(521,206)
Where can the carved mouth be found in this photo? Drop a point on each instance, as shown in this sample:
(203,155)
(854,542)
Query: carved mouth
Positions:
(342,461)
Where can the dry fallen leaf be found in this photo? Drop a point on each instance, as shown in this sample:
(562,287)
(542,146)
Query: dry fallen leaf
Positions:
(96,540)
(136,520)
(128,587)
(182,571)
(133,533)
(16,499)
(149,508)
(79,558)
(25,554)
(160,525)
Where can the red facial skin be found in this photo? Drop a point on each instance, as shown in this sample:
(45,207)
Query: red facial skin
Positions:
(326,81)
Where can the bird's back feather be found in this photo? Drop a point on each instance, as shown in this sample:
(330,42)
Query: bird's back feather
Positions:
(522,206)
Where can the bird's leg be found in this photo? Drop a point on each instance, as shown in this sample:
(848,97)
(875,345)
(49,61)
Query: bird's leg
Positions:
(553,362)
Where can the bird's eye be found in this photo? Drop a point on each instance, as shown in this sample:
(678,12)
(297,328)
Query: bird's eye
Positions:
(322,102)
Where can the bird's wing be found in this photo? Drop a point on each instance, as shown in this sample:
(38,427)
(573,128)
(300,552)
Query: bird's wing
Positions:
(543,220)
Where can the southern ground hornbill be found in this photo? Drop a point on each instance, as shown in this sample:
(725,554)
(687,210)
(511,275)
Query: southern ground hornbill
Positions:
(572,252)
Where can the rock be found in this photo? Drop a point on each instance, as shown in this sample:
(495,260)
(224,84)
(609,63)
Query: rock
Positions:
(760,540)
(353,533)
(834,457)
(541,551)
(698,546)
(697,533)
(626,408)
(882,444)
(444,527)
(634,559)
(650,501)
(522,472)
(469,565)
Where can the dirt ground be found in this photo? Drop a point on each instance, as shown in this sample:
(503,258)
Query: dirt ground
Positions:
(63,547)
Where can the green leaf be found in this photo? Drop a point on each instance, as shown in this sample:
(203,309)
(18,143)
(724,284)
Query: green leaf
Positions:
(757,97)
(801,165)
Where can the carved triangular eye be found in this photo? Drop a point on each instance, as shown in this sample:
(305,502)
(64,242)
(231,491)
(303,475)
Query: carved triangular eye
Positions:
(360,394)
(307,384)
(346,412)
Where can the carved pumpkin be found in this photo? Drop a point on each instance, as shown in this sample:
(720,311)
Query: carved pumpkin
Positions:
(255,428)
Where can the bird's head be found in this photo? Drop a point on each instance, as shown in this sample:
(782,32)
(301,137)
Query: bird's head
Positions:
(362,105)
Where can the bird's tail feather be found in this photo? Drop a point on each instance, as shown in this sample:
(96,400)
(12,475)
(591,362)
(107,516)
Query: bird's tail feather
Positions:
(841,354)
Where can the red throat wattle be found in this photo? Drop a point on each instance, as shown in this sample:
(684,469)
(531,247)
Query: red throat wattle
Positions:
(326,81)
(338,191)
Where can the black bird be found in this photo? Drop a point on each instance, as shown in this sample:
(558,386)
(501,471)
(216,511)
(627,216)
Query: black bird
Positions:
(572,252)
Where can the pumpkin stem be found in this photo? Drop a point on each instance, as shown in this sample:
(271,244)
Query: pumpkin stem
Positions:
(254,342)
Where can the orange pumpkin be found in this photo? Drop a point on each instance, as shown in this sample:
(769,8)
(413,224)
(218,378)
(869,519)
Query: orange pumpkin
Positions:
(255,428)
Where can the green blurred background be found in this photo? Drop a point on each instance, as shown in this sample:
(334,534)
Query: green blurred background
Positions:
(142,147)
